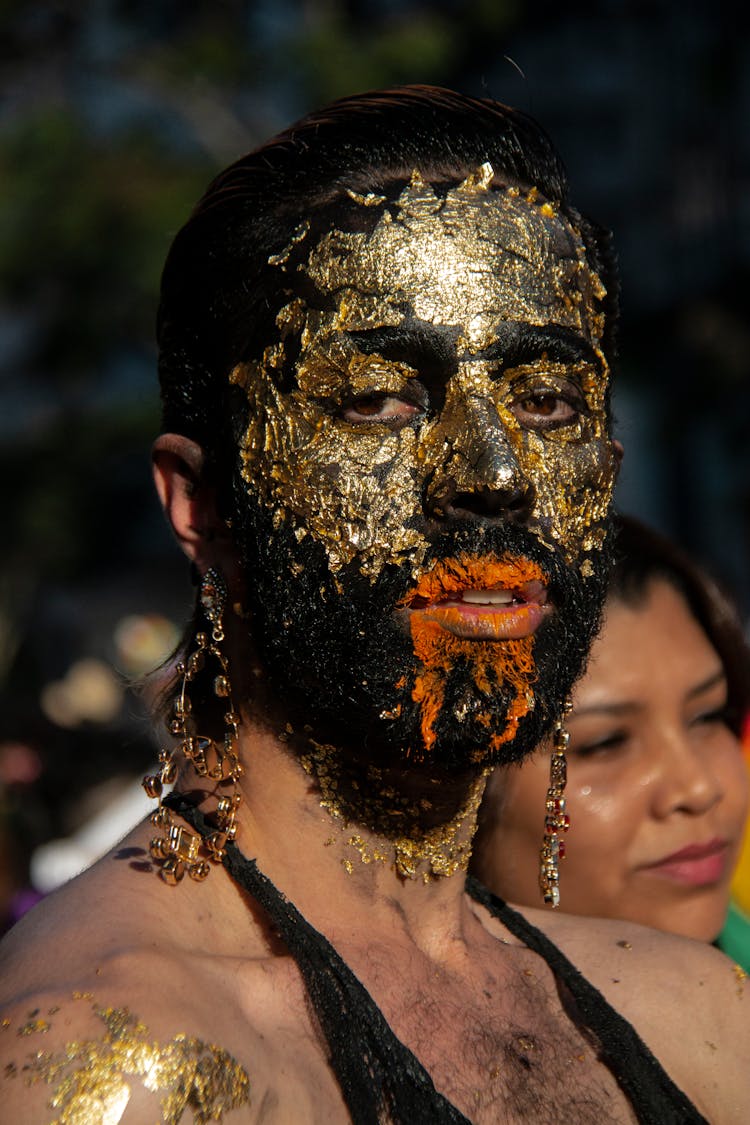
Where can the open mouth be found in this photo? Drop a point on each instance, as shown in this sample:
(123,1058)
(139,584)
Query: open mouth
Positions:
(488,598)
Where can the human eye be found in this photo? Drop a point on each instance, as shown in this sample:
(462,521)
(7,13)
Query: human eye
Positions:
(545,407)
(600,745)
(380,407)
(714,716)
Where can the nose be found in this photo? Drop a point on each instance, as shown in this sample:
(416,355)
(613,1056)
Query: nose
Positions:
(686,781)
(480,476)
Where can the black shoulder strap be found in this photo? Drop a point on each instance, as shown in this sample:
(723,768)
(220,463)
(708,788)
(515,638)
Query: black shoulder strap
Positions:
(651,1092)
(380,1079)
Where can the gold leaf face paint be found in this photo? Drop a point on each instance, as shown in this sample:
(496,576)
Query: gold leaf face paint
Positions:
(92,1078)
(453,347)
(436,375)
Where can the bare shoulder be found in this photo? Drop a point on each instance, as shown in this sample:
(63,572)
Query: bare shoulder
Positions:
(119,1008)
(688,1002)
(77,1058)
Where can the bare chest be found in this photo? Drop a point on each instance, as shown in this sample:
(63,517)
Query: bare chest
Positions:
(509,1054)
(512,1058)
(501,1050)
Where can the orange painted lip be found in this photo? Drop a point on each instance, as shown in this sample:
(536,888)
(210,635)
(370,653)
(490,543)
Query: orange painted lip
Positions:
(487,623)
(486,598)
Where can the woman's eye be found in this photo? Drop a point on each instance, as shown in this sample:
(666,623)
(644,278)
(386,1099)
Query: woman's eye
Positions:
(717,716)
(545,409)
(378,408)
(603,745)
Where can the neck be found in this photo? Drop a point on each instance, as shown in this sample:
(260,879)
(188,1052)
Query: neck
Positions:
(422,825)
(338,833)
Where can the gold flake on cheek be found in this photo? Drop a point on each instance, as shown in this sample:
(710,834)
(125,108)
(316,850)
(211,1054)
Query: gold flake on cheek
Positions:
(571,467)
(467,261)
(92,1078)
(352,488)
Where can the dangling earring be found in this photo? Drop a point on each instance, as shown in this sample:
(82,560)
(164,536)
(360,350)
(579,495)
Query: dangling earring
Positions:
(179,850)
(556,820)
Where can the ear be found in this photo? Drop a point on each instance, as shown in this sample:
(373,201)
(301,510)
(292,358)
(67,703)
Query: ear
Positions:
(619,453)
(190,504)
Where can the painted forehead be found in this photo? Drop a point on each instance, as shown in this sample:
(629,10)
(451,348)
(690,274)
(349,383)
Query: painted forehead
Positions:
(471,257)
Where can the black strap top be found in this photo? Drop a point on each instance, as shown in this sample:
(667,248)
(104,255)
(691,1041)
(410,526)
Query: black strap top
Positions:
(381,1080)
(651,1092)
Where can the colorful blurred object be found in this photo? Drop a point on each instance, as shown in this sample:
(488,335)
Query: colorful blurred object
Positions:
(741,880)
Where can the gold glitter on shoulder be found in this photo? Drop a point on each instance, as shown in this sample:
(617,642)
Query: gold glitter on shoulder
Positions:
(92,1078)
(741,978)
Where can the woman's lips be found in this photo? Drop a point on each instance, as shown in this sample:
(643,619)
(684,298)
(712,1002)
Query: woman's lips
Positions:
(698,865)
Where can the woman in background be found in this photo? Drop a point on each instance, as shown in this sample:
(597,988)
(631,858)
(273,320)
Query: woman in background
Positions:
(657,787)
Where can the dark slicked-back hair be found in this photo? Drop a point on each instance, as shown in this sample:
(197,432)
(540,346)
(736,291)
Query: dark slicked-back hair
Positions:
(219,294)
(643,555)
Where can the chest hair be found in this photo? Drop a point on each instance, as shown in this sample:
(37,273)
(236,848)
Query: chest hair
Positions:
(507,1054)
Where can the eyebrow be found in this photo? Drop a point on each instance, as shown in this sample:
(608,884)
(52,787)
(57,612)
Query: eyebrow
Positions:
(427,347)
(431,349)
(519,343)
(423,345)
(625,708)
(711,682)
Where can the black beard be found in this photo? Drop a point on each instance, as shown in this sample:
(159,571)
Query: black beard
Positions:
(341,665)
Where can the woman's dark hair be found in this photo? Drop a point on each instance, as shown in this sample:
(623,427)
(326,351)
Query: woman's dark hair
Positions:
(220,296)
(642,555)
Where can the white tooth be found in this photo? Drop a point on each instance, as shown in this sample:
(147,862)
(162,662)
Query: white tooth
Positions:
(488,597)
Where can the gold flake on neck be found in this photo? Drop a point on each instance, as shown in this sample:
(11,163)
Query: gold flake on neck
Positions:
(401,840)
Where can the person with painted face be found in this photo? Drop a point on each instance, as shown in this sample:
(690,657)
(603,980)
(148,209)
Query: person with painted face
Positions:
(657,784)
(385,346)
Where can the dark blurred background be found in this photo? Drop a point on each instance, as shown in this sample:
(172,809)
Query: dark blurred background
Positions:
(114,117)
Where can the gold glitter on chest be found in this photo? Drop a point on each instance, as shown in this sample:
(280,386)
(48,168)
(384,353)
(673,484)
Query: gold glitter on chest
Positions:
(92,1078)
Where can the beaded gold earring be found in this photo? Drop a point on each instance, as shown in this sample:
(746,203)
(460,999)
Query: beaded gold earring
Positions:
(179,851)
(556,820)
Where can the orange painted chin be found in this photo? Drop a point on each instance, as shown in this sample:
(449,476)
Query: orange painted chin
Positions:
(447,632)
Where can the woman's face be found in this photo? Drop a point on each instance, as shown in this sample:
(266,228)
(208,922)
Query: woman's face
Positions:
(657,787)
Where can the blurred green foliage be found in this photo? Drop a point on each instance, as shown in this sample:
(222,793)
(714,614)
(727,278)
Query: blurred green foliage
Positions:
(84,228)
(119,115)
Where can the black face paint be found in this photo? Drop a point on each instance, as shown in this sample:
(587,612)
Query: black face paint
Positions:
(340,658)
